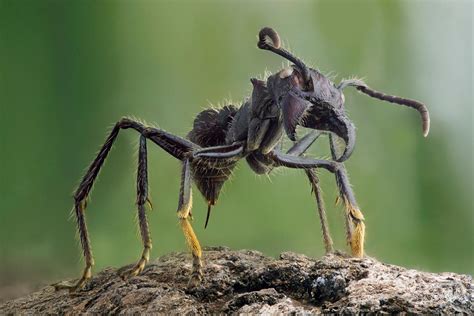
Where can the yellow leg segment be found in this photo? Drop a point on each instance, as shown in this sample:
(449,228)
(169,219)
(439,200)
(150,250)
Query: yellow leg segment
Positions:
(192,243)
(358,232)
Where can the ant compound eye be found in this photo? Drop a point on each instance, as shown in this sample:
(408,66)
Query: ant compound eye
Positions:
(343,98)
(285,73)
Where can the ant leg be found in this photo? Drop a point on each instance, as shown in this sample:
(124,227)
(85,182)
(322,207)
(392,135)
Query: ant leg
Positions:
(80,204)
(355,226)
(295,162)
(298,149)
(304,143)
(79,207)
(184,209)
(142,199)
(224,152)
(174,145)
(354,219)
(315,187)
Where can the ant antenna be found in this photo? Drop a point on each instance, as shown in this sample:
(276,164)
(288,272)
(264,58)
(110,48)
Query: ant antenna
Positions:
(268,39)
(420,107)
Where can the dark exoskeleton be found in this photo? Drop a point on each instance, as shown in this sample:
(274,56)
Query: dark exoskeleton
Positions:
(297,95)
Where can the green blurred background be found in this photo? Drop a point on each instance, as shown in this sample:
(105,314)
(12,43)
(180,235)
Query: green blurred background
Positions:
(70,69)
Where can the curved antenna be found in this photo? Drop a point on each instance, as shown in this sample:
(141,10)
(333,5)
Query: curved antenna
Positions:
(420,107)
(268,39)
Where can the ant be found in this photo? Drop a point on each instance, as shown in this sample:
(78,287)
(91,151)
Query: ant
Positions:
(296,95)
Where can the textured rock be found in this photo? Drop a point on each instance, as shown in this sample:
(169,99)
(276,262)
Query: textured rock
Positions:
(249,282)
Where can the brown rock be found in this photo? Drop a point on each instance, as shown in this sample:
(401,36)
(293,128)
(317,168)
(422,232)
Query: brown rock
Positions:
(248,282)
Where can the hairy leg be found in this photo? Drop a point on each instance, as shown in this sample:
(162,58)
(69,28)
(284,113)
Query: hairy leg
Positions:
(176,146)
(355,227)
(314,181)
(142,199)
(184,209)
(298,149)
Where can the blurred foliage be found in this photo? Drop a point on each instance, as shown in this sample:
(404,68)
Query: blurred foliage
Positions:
(70,69)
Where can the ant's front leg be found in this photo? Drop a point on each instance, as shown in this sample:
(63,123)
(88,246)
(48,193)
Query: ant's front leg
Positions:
(354,218)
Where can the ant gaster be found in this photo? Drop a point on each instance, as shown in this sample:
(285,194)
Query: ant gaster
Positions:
(297,95)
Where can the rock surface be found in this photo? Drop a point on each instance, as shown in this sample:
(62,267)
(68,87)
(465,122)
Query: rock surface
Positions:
(249,282)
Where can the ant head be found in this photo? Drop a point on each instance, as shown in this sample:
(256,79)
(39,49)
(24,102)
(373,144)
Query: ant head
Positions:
(305,96)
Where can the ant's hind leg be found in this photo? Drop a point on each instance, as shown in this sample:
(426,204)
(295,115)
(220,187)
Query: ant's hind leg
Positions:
(79,208)
(174,145)
(80,203)
(184,210)
(142,199)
